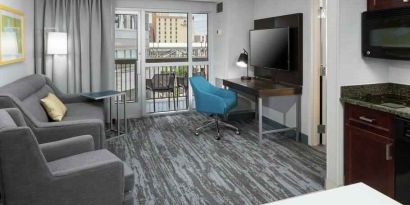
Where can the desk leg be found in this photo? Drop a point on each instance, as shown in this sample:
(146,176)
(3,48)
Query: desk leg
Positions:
(110,114)
(298,117)
(260,121)
(125,116)
(118,116)
(256,107)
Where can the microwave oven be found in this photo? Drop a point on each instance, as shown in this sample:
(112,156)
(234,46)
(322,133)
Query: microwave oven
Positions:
(386,34)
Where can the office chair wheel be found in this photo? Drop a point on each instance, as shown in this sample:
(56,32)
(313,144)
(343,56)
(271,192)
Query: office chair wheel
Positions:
(196,133)
(238,132)
(218,137)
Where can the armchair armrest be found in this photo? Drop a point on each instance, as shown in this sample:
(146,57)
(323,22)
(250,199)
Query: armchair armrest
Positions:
(17,116)
(67,147)
(55,131)
(95,177)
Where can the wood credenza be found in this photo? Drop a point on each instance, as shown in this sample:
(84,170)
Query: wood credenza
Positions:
(369,148)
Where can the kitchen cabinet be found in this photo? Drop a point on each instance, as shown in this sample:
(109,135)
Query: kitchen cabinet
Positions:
(386,4)
(369,148)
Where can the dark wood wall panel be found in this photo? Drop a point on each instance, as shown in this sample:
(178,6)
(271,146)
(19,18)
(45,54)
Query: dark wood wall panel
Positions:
(295,23)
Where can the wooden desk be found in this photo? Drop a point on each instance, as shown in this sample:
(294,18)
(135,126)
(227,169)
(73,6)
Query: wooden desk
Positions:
(261,88)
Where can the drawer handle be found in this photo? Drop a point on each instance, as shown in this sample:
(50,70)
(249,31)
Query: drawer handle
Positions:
(363,118)
(388,152)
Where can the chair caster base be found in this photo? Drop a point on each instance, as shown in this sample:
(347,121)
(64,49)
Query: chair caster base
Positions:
(196,133)
(238,133)
(218,137)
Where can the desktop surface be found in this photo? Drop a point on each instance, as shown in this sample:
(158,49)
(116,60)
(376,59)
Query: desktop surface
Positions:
(262,87)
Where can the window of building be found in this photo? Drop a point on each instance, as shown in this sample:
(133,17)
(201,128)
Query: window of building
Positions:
(168,51)
(200,37)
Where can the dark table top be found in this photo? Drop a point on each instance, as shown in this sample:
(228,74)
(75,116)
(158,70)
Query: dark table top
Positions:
(263,87)
(102,94)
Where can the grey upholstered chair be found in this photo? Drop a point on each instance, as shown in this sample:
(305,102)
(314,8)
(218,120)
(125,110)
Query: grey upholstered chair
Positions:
(84,117)
(63,172)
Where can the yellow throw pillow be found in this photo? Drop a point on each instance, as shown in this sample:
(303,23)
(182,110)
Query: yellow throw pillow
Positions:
(54,107)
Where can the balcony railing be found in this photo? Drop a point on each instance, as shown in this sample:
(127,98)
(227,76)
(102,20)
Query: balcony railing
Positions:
(126,78)
(167,87)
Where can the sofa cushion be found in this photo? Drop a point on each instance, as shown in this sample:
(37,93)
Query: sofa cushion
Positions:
(6,121)
(84,111)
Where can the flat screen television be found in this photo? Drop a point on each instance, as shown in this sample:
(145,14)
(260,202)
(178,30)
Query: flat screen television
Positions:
(270,49)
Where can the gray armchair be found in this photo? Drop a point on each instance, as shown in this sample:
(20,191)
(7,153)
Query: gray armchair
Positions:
(84,117)
(63,172)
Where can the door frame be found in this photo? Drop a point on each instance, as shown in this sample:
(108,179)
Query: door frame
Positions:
(134,109)
(319,82)
(189,63)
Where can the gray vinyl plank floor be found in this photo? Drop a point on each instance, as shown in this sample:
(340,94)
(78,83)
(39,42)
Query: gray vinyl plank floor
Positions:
(173,166)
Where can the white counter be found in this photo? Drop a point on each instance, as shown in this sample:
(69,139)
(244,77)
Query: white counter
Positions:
(357,194)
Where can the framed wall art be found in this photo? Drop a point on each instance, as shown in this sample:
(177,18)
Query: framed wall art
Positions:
(12,45)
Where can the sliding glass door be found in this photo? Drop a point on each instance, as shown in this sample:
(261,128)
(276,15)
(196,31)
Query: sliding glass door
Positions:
(176,48)
(156,53)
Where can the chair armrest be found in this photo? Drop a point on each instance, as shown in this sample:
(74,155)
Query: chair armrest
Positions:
(98,180)
(226,93)
(67,147)
(55,131)
(17,116)
(148,83)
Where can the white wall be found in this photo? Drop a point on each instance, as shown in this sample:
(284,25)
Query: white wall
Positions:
(9,73)
(399,72)
(234,22)
(346,66)
(275,106)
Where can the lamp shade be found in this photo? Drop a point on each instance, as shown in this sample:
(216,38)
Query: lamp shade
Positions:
(242,60)
(57,43)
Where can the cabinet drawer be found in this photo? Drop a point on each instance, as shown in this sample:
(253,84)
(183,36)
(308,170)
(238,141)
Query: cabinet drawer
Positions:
(371,120)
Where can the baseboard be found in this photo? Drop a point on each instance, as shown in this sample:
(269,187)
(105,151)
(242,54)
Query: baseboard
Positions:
(330,184)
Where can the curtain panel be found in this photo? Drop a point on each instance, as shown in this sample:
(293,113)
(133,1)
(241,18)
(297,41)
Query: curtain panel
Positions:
(89,24)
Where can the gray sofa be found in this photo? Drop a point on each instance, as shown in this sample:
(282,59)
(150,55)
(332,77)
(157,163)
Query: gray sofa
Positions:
(63,172)
(84,117)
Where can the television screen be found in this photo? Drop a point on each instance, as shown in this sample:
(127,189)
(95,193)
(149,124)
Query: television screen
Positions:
(270,48)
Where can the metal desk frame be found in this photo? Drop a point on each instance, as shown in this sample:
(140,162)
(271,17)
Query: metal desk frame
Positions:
(267,88)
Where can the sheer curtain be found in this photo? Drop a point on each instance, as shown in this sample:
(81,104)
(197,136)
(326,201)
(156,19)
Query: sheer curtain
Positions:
(89,25)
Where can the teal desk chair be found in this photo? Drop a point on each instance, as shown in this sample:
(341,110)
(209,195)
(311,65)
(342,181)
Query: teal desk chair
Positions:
(215,102)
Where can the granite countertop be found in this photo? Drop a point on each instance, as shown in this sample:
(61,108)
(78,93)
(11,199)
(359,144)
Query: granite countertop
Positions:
(371,96)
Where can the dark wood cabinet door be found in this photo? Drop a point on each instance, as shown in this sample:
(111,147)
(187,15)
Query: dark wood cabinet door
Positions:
(369,159)
(386,4)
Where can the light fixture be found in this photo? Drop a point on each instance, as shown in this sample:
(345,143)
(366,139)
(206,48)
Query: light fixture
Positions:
(243,63)
(57,43)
